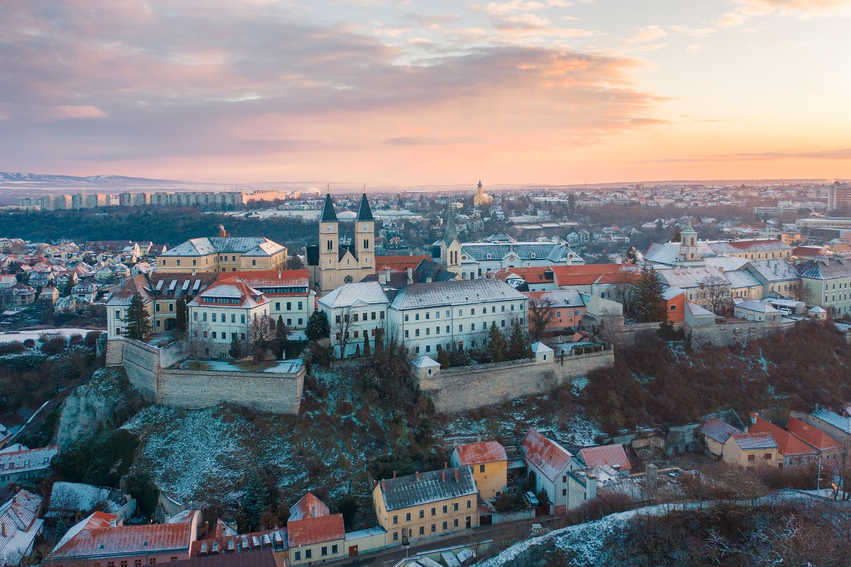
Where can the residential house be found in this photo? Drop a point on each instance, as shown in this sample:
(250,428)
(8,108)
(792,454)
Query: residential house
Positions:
(553,471)
(119,302)
(355,311)
(19,527)
(563,309)
(791,449)
(18,463)
(675,304)
(613,456)
(489,464)
(428,317)
(827,285)
(705,286)
(751,450)
(427,504)
(266,547)
(830,450)
(168,291)
(223,253)
(715,434)
(539,278)
(753,310)
(835,425)
(314,535)
(102,540)
(779,278)
(71,501)
(84,292)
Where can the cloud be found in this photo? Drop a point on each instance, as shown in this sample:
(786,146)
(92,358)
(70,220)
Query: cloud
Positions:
(831,154)
(647,34)
(747,9)
(246,83)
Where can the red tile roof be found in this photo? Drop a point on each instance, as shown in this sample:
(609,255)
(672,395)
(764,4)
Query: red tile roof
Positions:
(586,274)
(532,274)
(812,435)
(262,558)
(315,530)
(98,538)
(745,244)
(269,278)
(399,263)
(787,444)
(480,453)
(612,455)
(547,456)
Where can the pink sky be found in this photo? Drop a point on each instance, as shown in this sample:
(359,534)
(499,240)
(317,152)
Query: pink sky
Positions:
(439,92)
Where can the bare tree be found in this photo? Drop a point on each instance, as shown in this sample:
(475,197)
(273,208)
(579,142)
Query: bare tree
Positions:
(541,312)
(342,328)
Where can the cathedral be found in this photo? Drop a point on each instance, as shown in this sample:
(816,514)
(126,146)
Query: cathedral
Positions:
(332,263)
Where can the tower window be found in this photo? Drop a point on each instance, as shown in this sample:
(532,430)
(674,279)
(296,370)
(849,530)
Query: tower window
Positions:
(329,245)
(365,243)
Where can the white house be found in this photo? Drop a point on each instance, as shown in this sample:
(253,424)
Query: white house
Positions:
(427,317)
(756,310)
(555,471)
(355,311)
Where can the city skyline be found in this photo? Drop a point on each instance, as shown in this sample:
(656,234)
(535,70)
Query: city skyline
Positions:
(520,91)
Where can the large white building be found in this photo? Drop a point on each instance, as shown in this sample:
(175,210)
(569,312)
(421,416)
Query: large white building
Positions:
(355,311)
(224,312)
(453,314)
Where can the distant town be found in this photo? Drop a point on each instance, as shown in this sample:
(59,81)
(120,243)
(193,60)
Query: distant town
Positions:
(412,378)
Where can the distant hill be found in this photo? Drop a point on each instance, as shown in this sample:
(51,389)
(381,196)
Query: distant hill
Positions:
(47,178)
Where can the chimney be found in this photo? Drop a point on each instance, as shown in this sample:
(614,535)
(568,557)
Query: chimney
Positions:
(417,475)
(443,476)
(279,274)
(4,529)
(754,416)
(394,474)
(410,275)
(456,475)
(222,232)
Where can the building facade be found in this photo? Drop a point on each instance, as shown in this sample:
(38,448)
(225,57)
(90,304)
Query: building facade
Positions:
(355,312)
(489,464)
(223,254)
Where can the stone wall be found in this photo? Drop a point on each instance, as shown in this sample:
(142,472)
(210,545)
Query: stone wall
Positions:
(150,371)
(263,391)
(733,332)
(460,389)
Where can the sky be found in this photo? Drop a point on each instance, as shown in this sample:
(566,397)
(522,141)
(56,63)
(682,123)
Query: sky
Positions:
(427,92)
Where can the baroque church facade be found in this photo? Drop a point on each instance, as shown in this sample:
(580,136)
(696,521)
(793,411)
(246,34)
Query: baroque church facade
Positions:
(332,263)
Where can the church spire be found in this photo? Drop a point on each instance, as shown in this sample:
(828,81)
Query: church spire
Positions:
(364,212)
(450,233)
(328,214)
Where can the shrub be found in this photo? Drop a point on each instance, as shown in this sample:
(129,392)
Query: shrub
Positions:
(16,347)
(56,345)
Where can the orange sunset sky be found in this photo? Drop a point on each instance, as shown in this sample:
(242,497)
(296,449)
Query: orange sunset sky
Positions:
(437,92)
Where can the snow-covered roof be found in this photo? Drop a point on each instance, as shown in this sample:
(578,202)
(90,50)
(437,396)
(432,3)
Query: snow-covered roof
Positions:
(18,526)
(756,306)
(834,419)
(540,347)
(550,458)
(432,486)
(726,263)
(354,294)
(78,497)
(26,460)
(671,293)
(454,292)
(686,278)
(698,311)
(775,270)
(741,278)
(425,362)
(246,245)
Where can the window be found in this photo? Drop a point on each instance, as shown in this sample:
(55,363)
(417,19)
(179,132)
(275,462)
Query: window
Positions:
(308,553)
(422,513)
(469,503)
(433,511)
(406,316)
(454,506)
(422,530)
(214,334)
(751,458)
(157,307)
(481,468)
(455,523)
(416,316)
(407,516)
(444,508)
(334,548)
(395,520)
(433,528)
(395,538)
(428,315)
(767,456)
(564,492)
(445,524)
(324,550)
(298,555)
(289,305)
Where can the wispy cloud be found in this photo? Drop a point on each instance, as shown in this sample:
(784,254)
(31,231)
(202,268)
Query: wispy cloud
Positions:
(744,10)
(831,154)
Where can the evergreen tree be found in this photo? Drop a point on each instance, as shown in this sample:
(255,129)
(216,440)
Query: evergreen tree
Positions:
(649,303)
(317,326)
(517,347)
(255,499)
(367,351)
(497,346)
(280,328)
(66,288)
(443,358)
(235,348)
(138,320)
(180,309)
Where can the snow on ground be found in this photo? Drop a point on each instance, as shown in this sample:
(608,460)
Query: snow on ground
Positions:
(21,336)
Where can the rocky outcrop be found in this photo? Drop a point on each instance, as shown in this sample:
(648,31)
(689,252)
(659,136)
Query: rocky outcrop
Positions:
(103,402)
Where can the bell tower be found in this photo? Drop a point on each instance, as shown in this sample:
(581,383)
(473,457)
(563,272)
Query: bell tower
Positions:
(688,244)
(329,238)
(365,236)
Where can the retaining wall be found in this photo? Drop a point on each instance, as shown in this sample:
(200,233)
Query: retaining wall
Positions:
(150,371)
(460,389)
(734,332)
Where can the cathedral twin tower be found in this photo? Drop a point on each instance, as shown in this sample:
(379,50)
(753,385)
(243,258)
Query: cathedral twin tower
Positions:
(332,264)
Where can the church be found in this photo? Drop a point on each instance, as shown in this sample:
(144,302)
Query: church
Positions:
(333,263)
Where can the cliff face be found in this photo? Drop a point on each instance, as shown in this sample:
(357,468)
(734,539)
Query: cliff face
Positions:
(103,402)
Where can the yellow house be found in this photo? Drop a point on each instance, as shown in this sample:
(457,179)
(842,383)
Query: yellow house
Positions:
(489,464)
(751,450)
(427,504)
(223,254)
(715,434)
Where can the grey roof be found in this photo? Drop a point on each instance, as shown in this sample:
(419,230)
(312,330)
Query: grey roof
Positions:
(750,441)
(718,430)
(833,270)
(757,306)
(247,245)
(526,251)
(328,214)
(454,292)
(741,278)
(775,270)
(834,419)
(364,212)
(432,486)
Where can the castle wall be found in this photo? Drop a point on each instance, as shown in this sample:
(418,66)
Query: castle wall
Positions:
(150,371)
(732,333)
(460,389)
